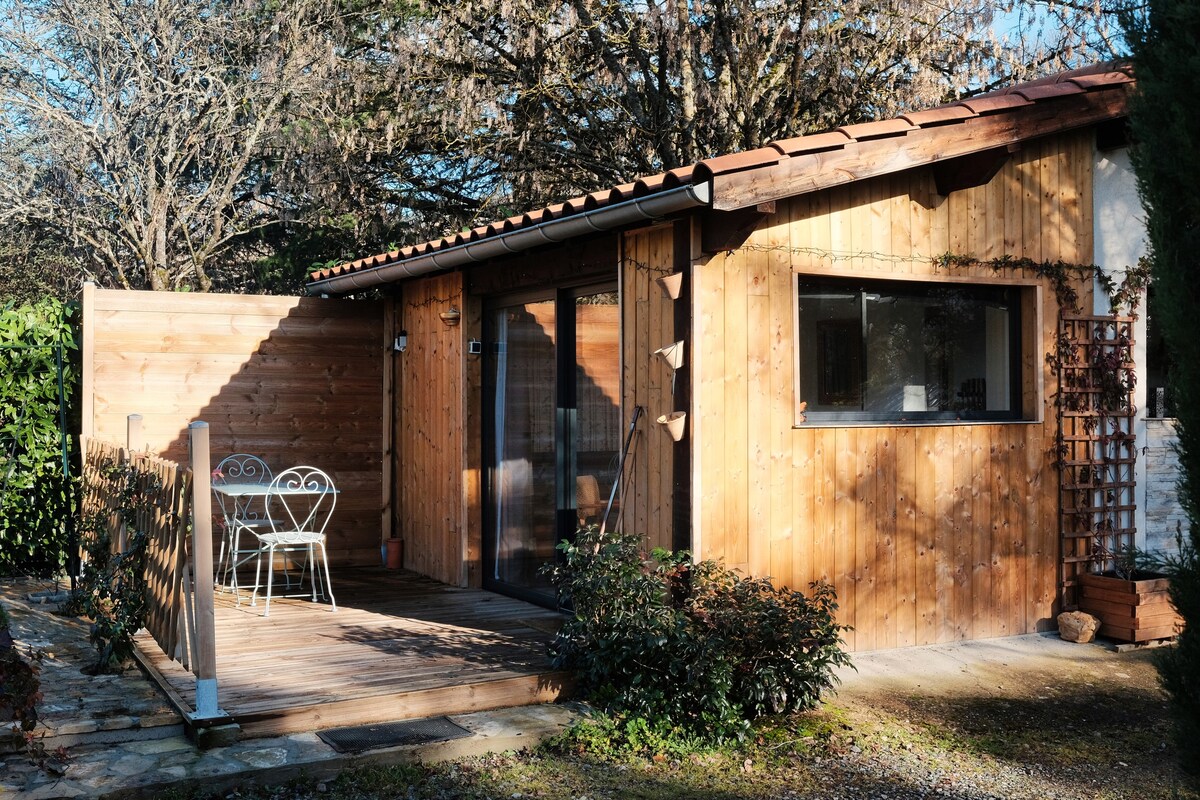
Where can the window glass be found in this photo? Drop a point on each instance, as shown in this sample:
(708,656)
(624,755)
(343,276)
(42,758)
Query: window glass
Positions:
(908,351)
(1158,362)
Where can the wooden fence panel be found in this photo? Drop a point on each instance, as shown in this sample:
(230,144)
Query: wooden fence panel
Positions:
(292,380)
(162,491)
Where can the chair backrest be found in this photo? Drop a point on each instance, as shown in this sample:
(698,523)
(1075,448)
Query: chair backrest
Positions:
(240,468)
(306,497)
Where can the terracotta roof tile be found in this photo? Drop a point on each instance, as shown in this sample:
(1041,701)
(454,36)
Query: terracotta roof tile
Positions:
(939,116)
(1093,78)
(735,162)
(812,143)
(991,103)
(1110,78)
(876,130)
(1048,91)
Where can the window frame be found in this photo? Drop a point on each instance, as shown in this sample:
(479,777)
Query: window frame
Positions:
(1026,360)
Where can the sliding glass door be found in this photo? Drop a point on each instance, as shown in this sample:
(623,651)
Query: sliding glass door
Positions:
(552,381)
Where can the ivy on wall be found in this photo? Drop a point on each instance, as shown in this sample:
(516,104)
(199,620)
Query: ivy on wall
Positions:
(36,374)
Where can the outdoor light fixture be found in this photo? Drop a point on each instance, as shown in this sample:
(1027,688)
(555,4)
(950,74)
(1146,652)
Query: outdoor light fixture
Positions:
(401,343)
(451,317)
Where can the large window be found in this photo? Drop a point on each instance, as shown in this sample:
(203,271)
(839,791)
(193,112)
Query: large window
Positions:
(891,351)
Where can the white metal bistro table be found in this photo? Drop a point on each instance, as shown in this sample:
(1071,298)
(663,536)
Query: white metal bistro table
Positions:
(238,520)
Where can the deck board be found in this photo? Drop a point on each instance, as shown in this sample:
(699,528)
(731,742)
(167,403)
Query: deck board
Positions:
(399,646)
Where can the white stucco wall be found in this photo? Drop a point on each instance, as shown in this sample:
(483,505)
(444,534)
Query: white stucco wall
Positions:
(1120,240)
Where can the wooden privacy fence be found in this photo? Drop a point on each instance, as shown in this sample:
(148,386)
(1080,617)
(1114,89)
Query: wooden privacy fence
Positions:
(161,510)
(126,490)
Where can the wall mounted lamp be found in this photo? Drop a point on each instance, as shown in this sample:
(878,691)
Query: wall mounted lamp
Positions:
(401,343)
(451,317)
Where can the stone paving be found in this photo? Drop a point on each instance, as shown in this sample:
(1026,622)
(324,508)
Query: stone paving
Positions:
(123,739)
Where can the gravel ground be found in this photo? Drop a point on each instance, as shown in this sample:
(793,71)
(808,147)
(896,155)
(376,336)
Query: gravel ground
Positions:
(1075,721)
(1002,719)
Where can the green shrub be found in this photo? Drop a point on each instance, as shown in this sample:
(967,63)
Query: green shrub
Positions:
(1165,118)
(20,689)
(693,647)
(35,497)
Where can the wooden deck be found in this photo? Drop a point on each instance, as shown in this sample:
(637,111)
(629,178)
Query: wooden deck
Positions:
(399,646)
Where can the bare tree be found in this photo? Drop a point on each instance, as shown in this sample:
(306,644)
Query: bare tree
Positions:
(553,99)
(147,132)
(228,144)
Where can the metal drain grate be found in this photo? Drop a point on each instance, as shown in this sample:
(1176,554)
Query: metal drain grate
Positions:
(392,734)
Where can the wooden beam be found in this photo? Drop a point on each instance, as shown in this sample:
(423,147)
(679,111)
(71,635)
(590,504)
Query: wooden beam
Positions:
(966,172)
(728,230)
(859,160)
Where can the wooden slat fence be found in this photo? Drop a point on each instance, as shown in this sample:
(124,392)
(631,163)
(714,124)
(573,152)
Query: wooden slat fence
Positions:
(163,492)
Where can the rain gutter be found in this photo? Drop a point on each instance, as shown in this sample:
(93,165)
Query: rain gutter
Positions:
(606,218)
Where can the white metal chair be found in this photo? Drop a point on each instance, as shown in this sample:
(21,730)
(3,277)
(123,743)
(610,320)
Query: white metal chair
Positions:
(299,504)
(239,513)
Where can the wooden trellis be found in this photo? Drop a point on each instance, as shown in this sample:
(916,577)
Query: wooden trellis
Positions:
(1096,448)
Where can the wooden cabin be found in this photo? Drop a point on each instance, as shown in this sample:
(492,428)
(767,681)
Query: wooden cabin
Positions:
(855,407)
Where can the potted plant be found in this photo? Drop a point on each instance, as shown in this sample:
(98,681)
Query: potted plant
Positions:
(1135,609)
(1131,602)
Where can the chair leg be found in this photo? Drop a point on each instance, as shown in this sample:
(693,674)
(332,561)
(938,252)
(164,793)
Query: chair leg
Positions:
(328,584)
(270,579)
(232,567)
(218,576)
(257,581)
(312,571)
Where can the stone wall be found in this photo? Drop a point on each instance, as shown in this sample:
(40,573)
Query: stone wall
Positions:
(1163,512)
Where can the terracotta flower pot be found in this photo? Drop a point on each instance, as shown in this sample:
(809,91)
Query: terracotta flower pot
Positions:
(675,423)
(672,354)
(672,284)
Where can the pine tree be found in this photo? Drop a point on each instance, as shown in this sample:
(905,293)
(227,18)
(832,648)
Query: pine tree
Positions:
(1163,36)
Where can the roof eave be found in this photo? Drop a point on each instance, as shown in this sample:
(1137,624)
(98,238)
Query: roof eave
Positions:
(639,209)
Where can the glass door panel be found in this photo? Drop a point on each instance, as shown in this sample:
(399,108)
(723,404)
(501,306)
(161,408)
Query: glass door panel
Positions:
(598,403)
(524,460)
(553,383)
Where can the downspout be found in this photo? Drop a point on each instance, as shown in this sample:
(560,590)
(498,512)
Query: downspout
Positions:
(607,218)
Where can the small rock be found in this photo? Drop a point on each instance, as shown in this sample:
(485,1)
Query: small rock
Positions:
(1077,626)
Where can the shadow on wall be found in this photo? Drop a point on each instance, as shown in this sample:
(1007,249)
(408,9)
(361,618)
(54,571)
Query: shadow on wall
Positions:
(292,380)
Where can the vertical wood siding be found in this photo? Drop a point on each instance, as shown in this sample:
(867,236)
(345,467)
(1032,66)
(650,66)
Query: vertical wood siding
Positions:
(929,533)
(648,323)
(431,466)
(293,380)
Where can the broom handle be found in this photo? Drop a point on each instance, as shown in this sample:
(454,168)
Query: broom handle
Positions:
(612,496)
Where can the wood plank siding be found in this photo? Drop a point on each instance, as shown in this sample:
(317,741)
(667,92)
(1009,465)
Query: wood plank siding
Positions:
(929,532)
(648,323)
(431,441)
(292,380)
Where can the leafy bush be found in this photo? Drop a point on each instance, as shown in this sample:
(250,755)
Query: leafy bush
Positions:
(690,647)
(20,690)
(35,501)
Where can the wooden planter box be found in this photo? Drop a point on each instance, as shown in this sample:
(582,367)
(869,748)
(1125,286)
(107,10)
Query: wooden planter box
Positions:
(1129,610)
